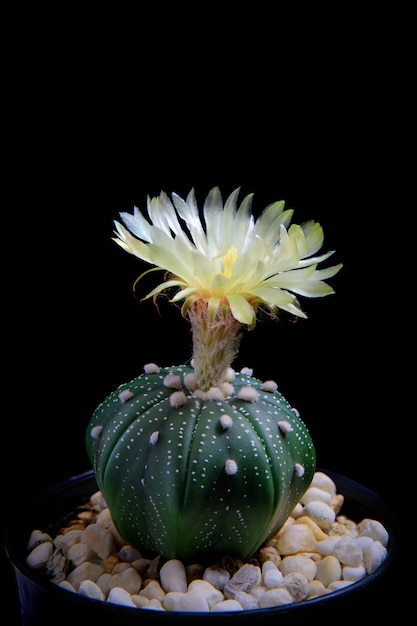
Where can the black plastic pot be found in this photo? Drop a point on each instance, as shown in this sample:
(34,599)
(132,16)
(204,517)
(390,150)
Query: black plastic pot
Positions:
(44,603)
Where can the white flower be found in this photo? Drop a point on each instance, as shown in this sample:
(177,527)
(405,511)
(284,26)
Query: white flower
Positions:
(226,257)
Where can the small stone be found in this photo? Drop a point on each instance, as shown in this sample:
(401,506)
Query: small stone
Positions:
(66,585)
(244,579)
(39,556)
(275,597)
(269,553)
(103,581)
(153,590)
(192,602)
(80,552)
(128,579)
(129,554)
(323,481)
(154,605)
(374,556)
(56,567)
(85,571)
(321,513)
(297,585)
(173,576)
(99,539)
(170,600)
(374,529)
(216,576)
(118,595)
(316,589)
(210,593)
(295,538)
(246,600)
(226,605)
(316,494)
(65,541)
(91,590)
(37,537)
(299,564)
(272,578)
(348,551)
(328,570)
(353,573)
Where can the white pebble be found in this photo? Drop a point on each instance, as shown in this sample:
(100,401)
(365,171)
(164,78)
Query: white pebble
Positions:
(321,513)
(246,600)
(173,576)
(128,579)
(170,600)
(348,551)
(316,589)
(315,494)
(100,539)
(374,529)
(328,570)
(85,571)
(192,602)
(326,546)
(272,578)
(40,555)
(275,597)
(37,537)
(206,589)
(227,605)
(66,585)
(297,585)
(80,552)
(118,595)
(353,573)
(300,564)
(323,481)
(153,605)
(90,589)
(153,590)
(295,538)
(339,584)
(216,576)
(374,556)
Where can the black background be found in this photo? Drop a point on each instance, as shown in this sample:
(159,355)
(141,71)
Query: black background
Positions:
(90,133)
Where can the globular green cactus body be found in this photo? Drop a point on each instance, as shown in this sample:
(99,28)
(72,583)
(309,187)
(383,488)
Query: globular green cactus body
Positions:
(190,478)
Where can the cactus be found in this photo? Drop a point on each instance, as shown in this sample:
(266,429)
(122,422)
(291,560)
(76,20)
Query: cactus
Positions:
(192,478)
(199,461)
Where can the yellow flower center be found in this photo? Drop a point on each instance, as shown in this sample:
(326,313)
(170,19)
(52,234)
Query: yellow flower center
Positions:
(228,259)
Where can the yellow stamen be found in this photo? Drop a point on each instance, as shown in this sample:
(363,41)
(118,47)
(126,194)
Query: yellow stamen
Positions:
(228,259)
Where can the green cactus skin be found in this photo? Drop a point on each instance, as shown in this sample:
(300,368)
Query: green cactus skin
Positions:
(180,484)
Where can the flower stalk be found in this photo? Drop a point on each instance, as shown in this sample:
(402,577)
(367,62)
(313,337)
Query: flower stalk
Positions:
(216,340)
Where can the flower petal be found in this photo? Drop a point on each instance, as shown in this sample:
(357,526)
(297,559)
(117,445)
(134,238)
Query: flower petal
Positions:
(241,309)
